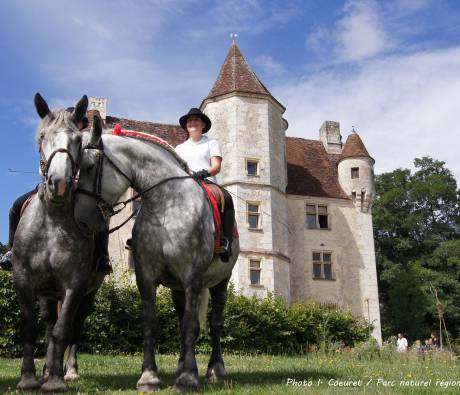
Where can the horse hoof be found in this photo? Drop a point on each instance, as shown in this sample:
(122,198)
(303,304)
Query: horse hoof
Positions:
(216,373)
(71,375)
(149,382)
(28,383)
(54,384)
(186,382)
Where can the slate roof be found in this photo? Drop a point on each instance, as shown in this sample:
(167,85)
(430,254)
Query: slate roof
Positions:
(237,76)
(354,147)
(311,170)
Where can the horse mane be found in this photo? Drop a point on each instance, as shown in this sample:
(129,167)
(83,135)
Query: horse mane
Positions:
(153,139)
(56,117)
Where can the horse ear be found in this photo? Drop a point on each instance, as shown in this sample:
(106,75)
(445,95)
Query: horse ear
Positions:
(80,109)
(41,106)
(96,131)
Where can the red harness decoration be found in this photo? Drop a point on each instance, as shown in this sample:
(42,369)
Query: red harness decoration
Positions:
(146,136)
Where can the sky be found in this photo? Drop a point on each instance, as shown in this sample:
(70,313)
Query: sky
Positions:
(390,69)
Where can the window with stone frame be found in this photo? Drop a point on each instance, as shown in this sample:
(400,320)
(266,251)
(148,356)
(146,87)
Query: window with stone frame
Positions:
(255,271)
(322,265)
(355,172)
(252,167)
(253,215)
(316,216)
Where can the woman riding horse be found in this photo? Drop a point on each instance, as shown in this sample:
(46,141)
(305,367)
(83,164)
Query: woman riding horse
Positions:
(204,157)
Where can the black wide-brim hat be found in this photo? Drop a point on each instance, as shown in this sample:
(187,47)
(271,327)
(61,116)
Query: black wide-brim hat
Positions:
(197,112)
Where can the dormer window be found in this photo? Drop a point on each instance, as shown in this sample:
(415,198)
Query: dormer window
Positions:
(252,167)
(355,172)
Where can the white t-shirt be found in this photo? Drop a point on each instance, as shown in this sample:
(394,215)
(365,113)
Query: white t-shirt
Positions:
(401,344)
(198,154)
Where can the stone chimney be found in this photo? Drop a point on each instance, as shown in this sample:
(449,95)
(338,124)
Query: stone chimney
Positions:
(329,134)
(99,104)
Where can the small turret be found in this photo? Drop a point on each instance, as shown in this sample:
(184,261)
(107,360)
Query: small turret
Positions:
(356,172)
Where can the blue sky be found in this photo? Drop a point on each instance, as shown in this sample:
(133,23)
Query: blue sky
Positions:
(391,69)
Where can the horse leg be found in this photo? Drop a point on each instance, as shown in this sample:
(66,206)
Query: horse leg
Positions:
(60,336)
(178,298)
(216,368)
(25,297)
(48,309)
(149,380)
(71,366)
(190,329)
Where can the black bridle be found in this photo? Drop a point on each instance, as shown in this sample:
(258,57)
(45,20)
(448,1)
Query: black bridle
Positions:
(46,163)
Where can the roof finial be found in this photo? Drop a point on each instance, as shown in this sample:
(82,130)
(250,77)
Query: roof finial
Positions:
(353,129)
(233,36)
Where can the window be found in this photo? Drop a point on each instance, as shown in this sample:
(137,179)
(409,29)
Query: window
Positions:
(253,209)
(322,265)
(355,172)
(317,217)
(254,271)
(252,167)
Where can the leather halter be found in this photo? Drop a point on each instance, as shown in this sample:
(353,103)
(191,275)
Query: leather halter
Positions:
(106,208)
(46,163)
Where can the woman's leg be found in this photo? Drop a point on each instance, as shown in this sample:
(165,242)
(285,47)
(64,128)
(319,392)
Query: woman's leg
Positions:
(228,223)
(15,212)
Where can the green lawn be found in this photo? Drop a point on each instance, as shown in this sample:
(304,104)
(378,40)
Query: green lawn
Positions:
(103,374)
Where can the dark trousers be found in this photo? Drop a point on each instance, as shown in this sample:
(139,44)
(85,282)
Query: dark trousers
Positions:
(15,213)
(228,216)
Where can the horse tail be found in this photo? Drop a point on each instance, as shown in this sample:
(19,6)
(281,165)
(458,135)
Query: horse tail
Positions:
(203,301)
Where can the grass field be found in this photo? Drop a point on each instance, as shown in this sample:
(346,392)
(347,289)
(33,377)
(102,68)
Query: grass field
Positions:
(103,374)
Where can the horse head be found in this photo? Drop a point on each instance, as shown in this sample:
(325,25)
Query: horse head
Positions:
(99,184)
(59,141)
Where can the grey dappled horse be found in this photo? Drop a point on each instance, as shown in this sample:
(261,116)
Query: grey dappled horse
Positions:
(52,259)
(173,244)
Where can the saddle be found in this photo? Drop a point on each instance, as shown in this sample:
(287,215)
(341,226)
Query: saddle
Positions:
(218,195)
(216,200)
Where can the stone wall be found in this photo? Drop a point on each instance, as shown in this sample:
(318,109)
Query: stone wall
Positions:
(350,240)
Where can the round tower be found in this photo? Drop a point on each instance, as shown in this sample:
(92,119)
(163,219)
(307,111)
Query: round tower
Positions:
(356,172)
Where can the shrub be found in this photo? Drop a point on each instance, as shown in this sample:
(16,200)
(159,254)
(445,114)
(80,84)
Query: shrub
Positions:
(251,325)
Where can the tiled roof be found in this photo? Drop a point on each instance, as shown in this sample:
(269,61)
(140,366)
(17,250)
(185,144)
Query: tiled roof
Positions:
(173,134)
(236,76)
(354,147)
(311,171)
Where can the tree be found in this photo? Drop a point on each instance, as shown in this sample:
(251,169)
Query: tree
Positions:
(414,215)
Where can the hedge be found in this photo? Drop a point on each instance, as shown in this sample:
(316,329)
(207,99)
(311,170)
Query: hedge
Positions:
(251,325)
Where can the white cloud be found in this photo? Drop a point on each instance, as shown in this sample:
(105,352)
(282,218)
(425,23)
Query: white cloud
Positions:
(269,65)
(360,34)
(403,106)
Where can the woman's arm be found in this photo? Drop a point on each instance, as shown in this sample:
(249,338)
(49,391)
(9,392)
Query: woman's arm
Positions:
(215,165)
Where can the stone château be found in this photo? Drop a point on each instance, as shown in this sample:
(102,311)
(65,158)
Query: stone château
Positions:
(303,207)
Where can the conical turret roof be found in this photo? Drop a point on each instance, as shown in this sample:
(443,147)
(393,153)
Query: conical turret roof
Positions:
(236,76)
(354,147)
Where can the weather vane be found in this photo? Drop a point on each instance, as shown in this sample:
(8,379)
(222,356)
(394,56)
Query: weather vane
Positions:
(233,36)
